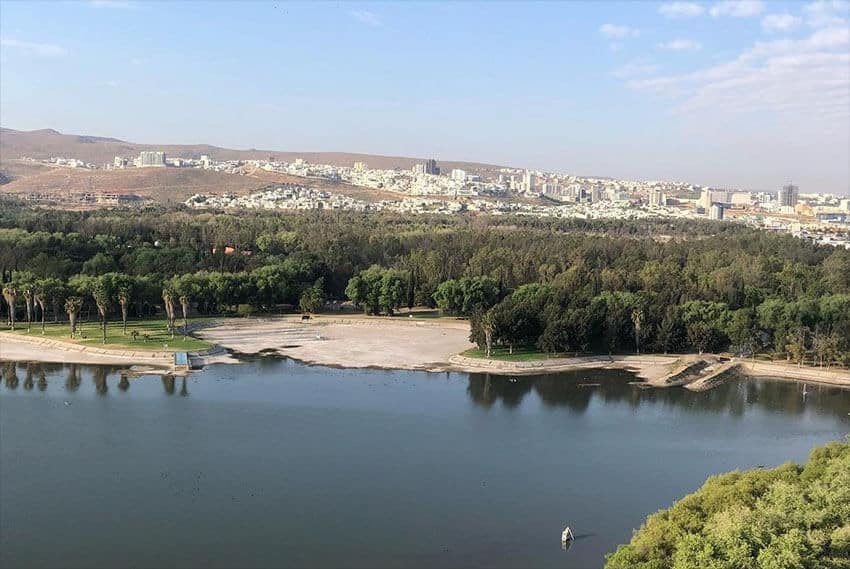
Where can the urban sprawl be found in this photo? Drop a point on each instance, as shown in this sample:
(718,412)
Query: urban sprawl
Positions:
(426,189)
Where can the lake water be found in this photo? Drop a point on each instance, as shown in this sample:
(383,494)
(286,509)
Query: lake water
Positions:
(271,463)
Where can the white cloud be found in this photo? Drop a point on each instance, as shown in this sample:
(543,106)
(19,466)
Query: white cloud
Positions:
(636,68)
(681,45)
(366,17)
(825,13)
(34,48)
(737,8)
(807,80)
(778,23)
(613,31)
(681,10)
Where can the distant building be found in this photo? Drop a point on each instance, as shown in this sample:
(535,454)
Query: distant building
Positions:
(595,194)
(844,205)
(431,167)
(151,159)
(788,195)
(119,162)
(360,166)
(715,211)
(529,182)
(459,175)
(708,197)
(419,168)
(205,161)
(657,198)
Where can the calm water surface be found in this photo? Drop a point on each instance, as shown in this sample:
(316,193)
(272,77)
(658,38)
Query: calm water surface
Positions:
(272,463)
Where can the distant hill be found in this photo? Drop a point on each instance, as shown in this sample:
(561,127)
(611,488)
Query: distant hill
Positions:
(46,143)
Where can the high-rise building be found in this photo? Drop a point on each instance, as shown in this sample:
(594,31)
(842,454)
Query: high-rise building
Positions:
(360,166)
(119,162)
(431,167)
(459,175)
(151,159)
(595,194)
(788,195)
(419,168)
(529,182)
(657,197)
(715,211)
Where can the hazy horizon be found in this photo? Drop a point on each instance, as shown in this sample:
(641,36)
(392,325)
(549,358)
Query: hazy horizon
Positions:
(744,94)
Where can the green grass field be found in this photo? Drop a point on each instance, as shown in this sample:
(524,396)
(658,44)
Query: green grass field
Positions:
(503,354)
(429,314)
(89,334)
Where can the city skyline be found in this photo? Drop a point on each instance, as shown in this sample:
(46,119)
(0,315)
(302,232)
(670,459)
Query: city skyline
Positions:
(628,90)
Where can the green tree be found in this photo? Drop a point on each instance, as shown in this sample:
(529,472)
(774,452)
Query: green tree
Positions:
(72,307)
(10,294)
(313,298)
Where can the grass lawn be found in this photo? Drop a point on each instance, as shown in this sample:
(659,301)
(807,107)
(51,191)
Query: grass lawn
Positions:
(430,314)
(502,354)
(89,334)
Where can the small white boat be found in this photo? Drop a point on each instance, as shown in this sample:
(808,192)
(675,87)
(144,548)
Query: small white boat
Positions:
(567,535)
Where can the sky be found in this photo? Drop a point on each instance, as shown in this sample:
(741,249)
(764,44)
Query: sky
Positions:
(746,94)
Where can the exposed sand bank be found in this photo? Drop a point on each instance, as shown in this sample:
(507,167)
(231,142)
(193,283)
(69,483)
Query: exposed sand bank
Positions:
(347,341)
(14,347)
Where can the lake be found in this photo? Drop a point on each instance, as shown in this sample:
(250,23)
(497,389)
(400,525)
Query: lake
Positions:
(272,463)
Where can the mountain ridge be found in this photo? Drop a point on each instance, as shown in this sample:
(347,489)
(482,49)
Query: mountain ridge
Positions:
(47,143)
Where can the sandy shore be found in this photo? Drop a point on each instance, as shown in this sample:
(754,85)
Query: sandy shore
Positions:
(34,348)
(347,341)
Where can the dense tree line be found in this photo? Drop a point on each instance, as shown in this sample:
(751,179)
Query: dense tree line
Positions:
(790,516)
(555,285)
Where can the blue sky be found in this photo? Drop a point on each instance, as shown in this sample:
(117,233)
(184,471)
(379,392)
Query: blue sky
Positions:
(746,94)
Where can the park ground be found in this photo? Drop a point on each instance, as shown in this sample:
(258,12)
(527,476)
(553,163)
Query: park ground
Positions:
(419,341)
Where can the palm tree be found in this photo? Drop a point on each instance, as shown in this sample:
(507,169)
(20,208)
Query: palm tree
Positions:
(168,302)
(28,301)
(488,325)
(124,301)
(101,299)
(637,320)
(41,299)
(184,305)
(11,296)
(72,307)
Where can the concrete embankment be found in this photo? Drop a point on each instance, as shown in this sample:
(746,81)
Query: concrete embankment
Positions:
(650,368)
(735,369)
(693,372)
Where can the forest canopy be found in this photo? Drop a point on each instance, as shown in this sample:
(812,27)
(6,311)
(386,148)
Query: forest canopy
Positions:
(554,285)
(789,516)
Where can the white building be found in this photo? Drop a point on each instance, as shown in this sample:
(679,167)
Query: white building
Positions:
(715,211)
(151,159)
(657,198)
(459,175)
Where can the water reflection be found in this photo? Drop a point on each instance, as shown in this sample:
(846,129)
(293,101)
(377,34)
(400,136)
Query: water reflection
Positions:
(99,375)
(29,383)
(10,375)
(574,391)
(72,379)
(168,384)
(577,390)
